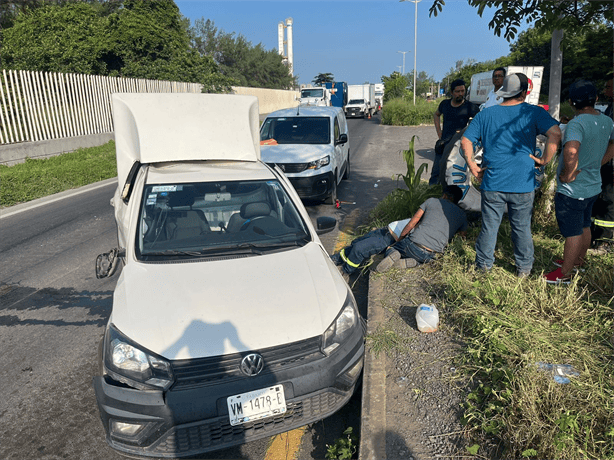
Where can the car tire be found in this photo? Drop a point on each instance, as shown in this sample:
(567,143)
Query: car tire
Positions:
(332,198)
(346,174)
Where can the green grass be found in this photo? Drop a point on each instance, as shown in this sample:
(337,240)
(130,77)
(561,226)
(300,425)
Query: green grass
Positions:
(509,325)
(403,112)
(42,177)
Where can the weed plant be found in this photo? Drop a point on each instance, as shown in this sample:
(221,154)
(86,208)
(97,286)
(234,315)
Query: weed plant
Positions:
(37,178)
(510,325)
(403,112)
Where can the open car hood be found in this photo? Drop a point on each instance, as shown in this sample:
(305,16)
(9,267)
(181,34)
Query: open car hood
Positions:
(162,127)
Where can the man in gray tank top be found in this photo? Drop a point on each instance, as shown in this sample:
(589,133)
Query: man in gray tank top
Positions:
(412,241)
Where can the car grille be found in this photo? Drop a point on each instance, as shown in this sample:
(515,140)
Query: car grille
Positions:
(291,167)
(219,433)
(200,372)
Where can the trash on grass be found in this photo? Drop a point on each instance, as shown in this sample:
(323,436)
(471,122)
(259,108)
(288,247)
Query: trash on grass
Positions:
(560,372)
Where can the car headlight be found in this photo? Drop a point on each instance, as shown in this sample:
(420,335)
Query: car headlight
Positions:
(342,327)
(317,164)
(127,363)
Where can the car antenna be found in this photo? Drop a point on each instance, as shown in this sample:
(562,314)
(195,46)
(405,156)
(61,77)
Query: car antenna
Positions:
(298,108)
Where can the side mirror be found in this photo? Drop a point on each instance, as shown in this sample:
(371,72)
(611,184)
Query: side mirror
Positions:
(343,138)
(107,263)
(325,225)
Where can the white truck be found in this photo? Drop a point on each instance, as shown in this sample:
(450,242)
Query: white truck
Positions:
(361,101)
(379,95)
(481,83)
(315,96)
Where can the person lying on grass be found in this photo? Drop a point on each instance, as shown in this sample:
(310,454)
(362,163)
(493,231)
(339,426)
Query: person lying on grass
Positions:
(410,242)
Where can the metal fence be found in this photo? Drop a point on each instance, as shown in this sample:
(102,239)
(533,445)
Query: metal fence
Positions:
(37,106)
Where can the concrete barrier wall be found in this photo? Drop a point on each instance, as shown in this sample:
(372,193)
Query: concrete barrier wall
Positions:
(269,100)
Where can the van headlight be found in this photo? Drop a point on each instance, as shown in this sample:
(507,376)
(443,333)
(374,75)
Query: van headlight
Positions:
(317,164)
(127,363)
(342,327)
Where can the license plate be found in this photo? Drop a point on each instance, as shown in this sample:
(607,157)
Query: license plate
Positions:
(257,404)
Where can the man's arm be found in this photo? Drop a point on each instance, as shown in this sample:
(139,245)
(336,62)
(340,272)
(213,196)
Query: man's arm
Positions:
(467,147)
(570,162)
(437,121)
(552,145)
(411,224)
(609,153)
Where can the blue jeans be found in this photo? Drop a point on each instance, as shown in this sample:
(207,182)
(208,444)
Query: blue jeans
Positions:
(410,250)
(364,247)
(519,210)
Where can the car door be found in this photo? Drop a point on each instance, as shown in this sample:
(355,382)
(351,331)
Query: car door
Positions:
(341,150)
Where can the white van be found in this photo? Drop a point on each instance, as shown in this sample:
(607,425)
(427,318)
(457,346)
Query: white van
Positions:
(311,146)
(230,322)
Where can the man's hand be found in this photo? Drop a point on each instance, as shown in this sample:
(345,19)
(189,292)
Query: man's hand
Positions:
(476,171)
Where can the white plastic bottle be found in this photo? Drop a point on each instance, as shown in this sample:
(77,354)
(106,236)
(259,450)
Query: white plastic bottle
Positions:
(427,317)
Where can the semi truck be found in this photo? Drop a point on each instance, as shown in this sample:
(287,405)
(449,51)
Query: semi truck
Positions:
(338,93)
(315,96)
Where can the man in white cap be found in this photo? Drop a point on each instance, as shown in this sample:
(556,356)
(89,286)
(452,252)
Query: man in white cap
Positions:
(508,134)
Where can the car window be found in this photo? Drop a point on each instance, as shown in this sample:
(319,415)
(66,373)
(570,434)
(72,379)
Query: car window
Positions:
(296,130)
(205,219)
(336,128)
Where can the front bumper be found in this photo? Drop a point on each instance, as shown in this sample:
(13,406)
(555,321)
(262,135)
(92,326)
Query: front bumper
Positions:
(179,423)
(354,112)
(317,187)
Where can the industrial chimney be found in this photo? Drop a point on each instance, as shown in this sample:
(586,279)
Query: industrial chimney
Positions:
(285,46)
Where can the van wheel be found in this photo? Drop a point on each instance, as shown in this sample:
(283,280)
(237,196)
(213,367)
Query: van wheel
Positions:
(333,194)
(346,174)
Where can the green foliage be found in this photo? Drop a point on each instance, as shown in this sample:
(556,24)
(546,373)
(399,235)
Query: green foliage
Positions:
(344,448)
(466,70)
(42,177)
(395,86)
(131,38)
(533,48)
(510,14)
(239,60)
(402,112)
(322,78)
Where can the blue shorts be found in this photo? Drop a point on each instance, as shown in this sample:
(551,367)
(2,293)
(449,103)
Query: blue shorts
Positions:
(572,214)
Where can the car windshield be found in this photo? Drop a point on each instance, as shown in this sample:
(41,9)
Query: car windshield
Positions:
(315,92)
(209,219)
(296,130)
(356,101)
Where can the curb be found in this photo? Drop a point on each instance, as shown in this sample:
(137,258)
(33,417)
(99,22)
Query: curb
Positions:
(373,415)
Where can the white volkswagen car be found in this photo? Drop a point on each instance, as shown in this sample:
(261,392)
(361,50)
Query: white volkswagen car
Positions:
(311,146)
(230,322)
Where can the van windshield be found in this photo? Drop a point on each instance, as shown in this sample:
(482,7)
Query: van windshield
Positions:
(296,130)
(209,219)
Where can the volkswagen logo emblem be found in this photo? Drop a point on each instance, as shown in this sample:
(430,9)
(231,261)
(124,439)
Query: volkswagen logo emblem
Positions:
(252,364)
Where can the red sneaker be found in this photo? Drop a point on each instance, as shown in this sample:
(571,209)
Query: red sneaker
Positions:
(559,263)
(557,277)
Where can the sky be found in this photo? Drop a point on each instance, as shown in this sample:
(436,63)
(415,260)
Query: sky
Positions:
(359,41)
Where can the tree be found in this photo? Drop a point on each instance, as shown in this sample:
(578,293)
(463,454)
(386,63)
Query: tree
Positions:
(322,78)
(140,39)
(237,58)
(464,71)
(509,14)
(395,86)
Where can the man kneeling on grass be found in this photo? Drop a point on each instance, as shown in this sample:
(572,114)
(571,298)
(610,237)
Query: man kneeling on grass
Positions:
(419,239)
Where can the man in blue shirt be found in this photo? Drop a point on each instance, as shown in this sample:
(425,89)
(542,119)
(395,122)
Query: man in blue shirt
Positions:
(508,134)
(588,143)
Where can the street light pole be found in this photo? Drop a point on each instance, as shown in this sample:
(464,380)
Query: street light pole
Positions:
(403,59)
(415,40)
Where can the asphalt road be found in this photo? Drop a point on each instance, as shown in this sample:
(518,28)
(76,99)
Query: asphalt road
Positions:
(53,309)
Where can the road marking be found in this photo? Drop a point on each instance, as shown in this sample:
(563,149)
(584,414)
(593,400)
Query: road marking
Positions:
(285,446)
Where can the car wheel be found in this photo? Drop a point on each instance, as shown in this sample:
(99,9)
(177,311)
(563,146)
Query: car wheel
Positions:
(332,198)
(346,174)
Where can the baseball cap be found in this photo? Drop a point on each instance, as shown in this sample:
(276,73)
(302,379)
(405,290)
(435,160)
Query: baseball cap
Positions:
(513,85)
(582,91)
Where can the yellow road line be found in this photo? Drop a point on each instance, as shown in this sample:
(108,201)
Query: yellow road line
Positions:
(285,446)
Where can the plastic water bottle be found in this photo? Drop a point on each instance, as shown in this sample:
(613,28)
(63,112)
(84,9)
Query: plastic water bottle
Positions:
(427,317)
